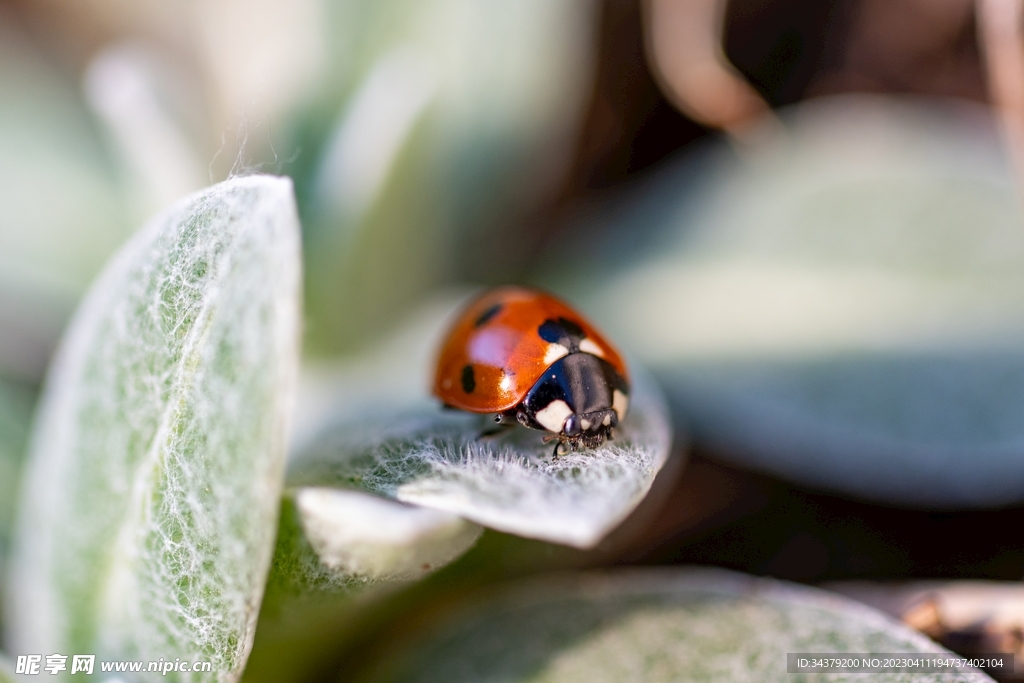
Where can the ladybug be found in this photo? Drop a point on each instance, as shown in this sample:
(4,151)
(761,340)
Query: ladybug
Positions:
(531,359)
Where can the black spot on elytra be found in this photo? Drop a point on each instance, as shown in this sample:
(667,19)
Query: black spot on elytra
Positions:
(562,331)
(487,315)
(468,380)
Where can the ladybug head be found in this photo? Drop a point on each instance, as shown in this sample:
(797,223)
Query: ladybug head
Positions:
(580,397)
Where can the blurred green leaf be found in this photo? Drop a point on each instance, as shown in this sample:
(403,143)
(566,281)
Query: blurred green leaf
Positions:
(131,89)
(64,210)
(643,625)
(443,124)
(844,306)
(154,480)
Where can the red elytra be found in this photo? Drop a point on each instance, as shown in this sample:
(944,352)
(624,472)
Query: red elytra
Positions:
(495,353)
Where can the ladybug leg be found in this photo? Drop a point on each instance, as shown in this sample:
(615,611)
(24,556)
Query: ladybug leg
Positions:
(562,445)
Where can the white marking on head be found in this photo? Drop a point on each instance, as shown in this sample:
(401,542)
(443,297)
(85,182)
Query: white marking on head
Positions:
(554,352)
(552,418)
(589,346)
(620,403)
(607,420)
(585,424)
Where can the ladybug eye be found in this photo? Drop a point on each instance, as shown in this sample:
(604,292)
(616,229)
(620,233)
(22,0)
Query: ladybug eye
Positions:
(572,426)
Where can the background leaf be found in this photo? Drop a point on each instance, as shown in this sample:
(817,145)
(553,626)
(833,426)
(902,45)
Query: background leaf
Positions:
(156,466)
(440,128)
(842,306)
(643,625)
(64,212)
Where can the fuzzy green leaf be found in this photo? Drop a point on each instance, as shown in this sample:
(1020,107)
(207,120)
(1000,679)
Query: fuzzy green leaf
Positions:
(154,478)
(360,535)
(647,626)
(338,553)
